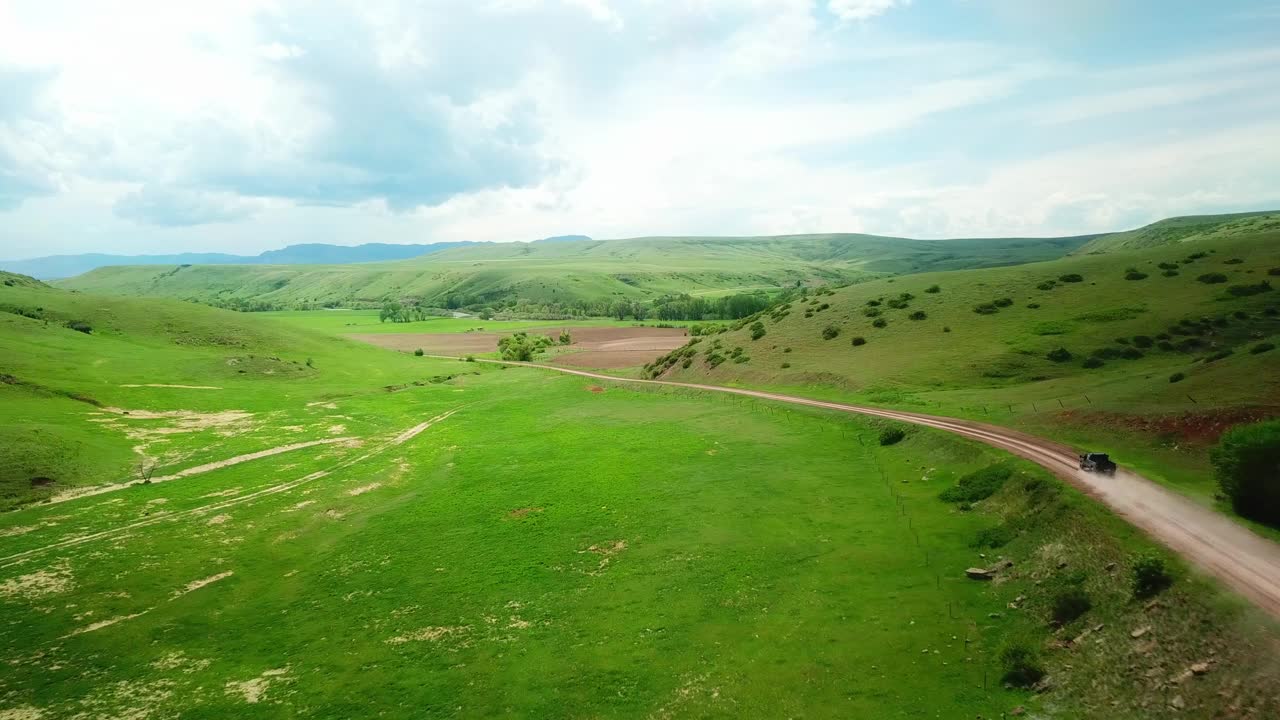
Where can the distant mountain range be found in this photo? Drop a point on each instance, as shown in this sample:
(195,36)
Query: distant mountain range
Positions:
(56,267)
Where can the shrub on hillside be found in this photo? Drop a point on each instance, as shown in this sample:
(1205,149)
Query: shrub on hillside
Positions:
(1021,665)
(986,309)
(1232,261)
(872,312)
(946,328)
(471,358)
(992,537)
(1047,285)
(1220,355)
(918,315)
(859,341)
(1093,363)
(1071,278)
(1247,464)
(1261,348)
(1170,273)
(892,436)
(1212,278)
(873,303)
(898,304)
(80,326)
(1059,355)
(979,484)
(786,349)
(1165,345)
(1131,354)
(1177,377)
(1150,577)
(1247,290)
(880,323)
(1070,603)
(937,289)
(1134,274)
(757,330)
(1167,266)
(1003,302)
(1033,306)
(1274,272)
(1142,341)
(786,365)
(418,352)
(830,332)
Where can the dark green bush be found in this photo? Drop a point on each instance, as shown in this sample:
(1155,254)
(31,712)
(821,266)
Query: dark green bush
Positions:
(1240,315)
(873,303)
(986,309)
(80,326)
(1261,348)
(1221,354)
(872,312)
(932,289)
(918,315)
(1212,278)
(1142,341)
(1150,576)
(1093,362)
(1033,306)
(880,323)
(1134,274)
(859,341)
(979,484)
(1167,266)
(1131,354)
(1059,355)
(1021,665)
(1071,278)
(1247,464)
(418,352)
(992,537)
(1070,603)
(1247,290)
(1274,272)
(786,350)
(786,365)
(1047,285)
(1003,302)
(946,328)
(892,436)
(757,330)
(830,332)
(1170,273)
(1232,261)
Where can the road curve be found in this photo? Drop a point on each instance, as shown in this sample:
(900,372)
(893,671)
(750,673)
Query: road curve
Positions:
(1246,562)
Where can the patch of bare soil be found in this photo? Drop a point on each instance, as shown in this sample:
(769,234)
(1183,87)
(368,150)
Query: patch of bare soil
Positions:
(197,584)
(595,389)
(523,512)
(1195,427)
(179,661)
(218,520)
(22,712)
(645,343)
(431,634)
(94,627)
(38,584)
(364,489)
(255,689)
(606,552)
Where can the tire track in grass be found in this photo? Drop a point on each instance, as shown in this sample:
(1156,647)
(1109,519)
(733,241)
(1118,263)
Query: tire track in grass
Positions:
(399,439)
(1243,560)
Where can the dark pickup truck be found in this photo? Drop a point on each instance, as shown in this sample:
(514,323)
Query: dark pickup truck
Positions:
(1097,462)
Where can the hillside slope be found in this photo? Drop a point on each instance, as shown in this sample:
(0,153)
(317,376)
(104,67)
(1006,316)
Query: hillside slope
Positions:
(1186,229)
(67,359)
(1089,361)
(571,271)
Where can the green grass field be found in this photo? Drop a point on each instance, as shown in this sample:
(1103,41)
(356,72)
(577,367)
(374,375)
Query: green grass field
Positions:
(564,273)
(347,322)
(214,513)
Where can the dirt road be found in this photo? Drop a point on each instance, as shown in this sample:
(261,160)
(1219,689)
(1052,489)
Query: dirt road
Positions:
(1245,561)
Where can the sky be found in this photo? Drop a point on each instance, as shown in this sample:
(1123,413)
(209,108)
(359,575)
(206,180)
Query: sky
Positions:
(138,126)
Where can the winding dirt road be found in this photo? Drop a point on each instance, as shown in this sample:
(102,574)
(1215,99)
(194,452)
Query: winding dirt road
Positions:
(1245,561)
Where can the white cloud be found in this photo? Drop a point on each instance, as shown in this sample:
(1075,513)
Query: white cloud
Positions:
(864,9)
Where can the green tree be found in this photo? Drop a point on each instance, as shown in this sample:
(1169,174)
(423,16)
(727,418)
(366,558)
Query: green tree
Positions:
(1247,464)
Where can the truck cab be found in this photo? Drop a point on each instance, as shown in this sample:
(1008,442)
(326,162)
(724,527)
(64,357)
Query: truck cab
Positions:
(1097,462)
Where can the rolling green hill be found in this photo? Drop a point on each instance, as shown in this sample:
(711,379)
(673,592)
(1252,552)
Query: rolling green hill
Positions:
(1186,229)
(67,359)
(568,272)
(989,344)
